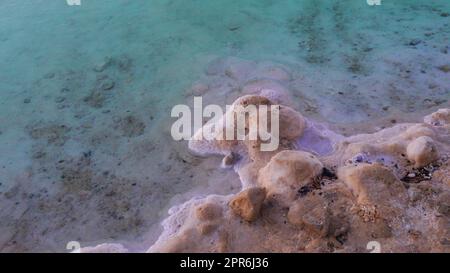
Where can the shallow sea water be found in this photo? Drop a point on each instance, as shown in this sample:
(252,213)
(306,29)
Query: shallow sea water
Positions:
(86,93)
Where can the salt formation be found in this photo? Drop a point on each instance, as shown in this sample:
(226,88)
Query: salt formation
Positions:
(287,172)
(391,186)
(439,118)
(422,151)
(319,191)
(247,204)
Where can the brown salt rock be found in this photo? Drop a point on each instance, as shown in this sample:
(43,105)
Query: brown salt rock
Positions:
(287,172)
(422,151)
(247,204)
(373,184)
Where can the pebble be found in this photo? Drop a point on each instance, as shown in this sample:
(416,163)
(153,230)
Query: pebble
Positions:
(414,42)
(411,175)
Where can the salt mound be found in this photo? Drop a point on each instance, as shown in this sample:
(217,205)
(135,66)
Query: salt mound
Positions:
(287,172)
(439,118)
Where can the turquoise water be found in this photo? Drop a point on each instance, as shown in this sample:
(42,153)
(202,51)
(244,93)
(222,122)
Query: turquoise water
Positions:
(86,93)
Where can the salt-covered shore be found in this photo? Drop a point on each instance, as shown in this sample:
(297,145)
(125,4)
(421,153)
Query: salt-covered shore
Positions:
(391,186)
